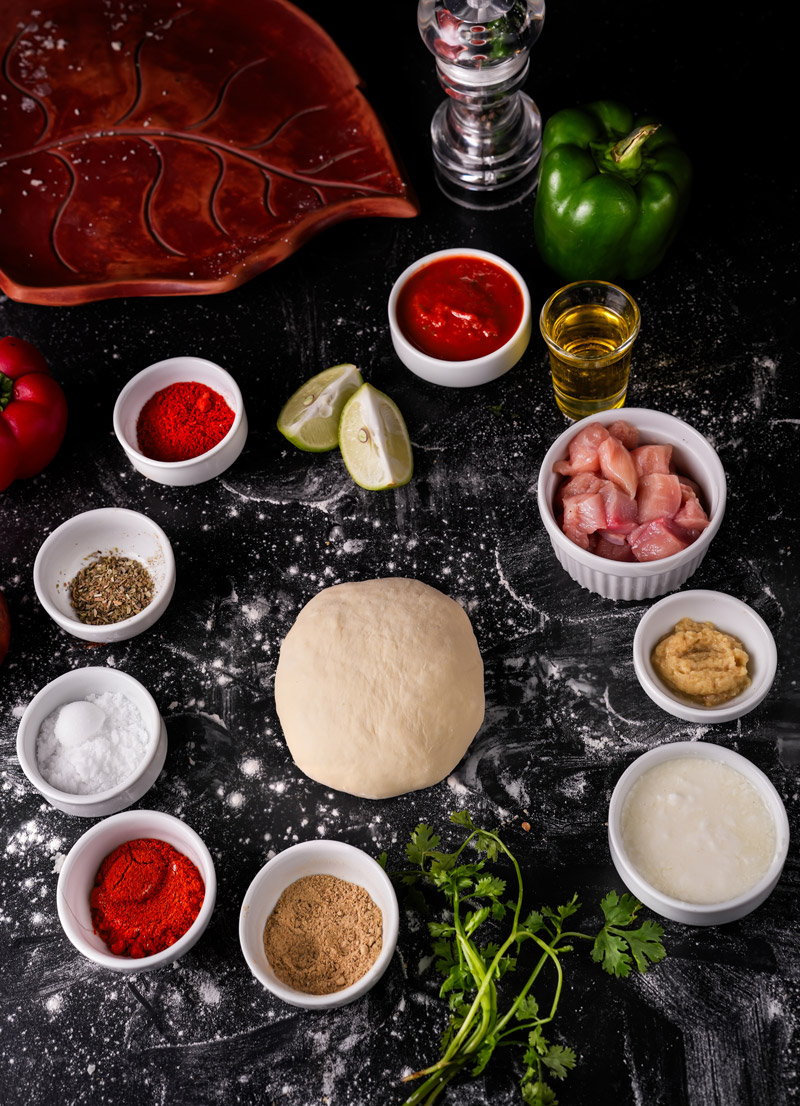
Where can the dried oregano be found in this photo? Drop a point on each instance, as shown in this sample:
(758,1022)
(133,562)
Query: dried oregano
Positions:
(110,589)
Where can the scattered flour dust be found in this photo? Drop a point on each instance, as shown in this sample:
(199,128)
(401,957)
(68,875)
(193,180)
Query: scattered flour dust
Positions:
(209,993)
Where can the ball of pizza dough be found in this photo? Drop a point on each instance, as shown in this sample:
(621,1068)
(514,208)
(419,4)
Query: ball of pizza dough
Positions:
(379,687)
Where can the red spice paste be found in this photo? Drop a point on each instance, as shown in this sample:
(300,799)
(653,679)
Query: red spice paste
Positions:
(146,895)
(460,307)
(182,421)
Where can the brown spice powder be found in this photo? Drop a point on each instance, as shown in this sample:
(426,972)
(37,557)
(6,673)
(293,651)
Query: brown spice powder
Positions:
(323,935)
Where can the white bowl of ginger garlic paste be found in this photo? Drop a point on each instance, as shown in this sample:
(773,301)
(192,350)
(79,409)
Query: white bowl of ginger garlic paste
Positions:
(730,616)
(698,833)
(314,858)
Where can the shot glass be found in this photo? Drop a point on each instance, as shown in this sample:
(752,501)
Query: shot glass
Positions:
(590,327)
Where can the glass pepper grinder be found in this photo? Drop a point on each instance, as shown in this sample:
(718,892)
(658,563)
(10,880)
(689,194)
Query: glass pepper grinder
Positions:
(487,135)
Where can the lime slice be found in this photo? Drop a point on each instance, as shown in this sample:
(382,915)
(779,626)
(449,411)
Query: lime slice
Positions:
(374,441)
(310,418)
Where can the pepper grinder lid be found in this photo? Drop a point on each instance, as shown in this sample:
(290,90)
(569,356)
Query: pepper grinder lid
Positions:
(487,136)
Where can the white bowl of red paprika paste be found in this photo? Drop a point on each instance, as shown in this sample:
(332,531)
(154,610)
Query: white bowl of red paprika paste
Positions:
(137,891)
(181,421)
(460,317)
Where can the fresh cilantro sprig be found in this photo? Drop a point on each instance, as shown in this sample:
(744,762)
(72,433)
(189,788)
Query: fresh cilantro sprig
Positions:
(471,970)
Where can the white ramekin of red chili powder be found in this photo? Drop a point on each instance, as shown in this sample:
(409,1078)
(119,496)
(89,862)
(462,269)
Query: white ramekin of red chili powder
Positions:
(137,891)
(181,421)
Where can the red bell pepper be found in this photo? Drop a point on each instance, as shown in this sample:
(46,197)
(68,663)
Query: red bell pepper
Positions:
(33,412)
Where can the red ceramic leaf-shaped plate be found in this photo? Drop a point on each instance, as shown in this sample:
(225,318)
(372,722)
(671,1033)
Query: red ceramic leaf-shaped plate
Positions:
(160,148)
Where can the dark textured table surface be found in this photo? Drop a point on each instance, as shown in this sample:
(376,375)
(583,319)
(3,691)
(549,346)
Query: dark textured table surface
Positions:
(716,1023)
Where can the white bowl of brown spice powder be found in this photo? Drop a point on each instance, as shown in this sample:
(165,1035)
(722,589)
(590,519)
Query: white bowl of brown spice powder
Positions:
(318,925)
(105,575)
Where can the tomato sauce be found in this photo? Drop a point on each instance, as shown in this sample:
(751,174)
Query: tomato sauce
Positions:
(458,308)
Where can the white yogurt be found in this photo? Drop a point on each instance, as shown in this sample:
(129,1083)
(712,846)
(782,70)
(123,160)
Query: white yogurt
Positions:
(697,830)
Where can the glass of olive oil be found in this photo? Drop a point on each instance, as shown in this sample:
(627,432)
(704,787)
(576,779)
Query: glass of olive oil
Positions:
(590,327)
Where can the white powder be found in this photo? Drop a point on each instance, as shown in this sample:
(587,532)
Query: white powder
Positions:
(91,745)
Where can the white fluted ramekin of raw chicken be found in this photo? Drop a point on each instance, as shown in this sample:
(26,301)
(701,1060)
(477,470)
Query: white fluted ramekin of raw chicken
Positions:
(631,504)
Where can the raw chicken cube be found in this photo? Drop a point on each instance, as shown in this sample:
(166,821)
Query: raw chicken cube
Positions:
(691,515)
(658,496)
(611,551)
(583,451)
(585,483)
(652,458)
(625,433)
(622,512)
(657,539)
(617,464)
(584,514)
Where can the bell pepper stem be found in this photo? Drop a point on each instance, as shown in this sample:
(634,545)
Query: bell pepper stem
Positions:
(6,391)
(626,152)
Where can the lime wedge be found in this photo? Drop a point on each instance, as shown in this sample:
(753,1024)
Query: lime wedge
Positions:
(374,441)
(310,417)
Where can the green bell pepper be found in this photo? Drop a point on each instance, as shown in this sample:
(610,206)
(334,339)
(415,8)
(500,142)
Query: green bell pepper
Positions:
(612,192)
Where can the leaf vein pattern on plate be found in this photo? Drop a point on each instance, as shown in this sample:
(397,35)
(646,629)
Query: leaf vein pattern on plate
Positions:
(214,191)
(148,204)
(222,93)
(46,116)
(62,208)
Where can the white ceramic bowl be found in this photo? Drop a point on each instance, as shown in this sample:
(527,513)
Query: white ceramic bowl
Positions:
(83,861)
(729,615)
(314,858)
(676,909)
(694,457)
(176,370)
(76,685)
(74,544)
(461,374)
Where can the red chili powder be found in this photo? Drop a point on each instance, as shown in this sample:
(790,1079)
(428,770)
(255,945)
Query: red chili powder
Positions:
(146,895)
(182,421)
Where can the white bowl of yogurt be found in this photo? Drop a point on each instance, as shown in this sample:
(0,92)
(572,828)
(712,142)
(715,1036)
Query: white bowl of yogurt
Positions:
(698,833)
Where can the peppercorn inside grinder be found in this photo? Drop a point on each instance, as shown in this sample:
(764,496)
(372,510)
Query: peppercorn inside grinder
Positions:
(77,880)
(141,389)
(106,532)
(72,687)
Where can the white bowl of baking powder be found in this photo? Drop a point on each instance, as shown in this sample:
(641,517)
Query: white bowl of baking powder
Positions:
(132,745)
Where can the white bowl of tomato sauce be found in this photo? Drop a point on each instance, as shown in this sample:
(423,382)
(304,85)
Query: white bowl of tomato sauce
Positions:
(460,317)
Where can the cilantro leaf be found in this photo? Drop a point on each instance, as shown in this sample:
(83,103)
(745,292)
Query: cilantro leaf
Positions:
(423,839)
(537,1093)
(527,1010)
(489,886)
(645,944)
(619,911)
(610,951)
(559,1060)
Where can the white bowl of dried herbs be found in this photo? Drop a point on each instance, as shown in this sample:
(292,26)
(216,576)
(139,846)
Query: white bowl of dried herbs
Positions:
(105,575)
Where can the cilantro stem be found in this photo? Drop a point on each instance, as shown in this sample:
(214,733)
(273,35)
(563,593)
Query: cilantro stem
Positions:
(471,971)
